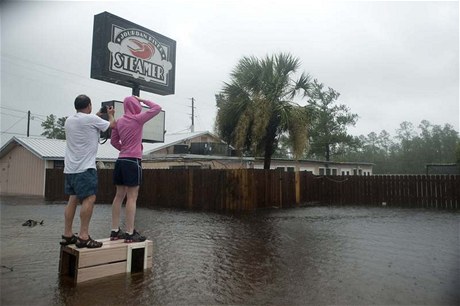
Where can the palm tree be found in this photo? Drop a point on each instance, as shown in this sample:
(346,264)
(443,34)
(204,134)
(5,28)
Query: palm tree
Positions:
(257,106)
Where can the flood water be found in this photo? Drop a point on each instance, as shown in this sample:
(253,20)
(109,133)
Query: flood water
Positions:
(309,255)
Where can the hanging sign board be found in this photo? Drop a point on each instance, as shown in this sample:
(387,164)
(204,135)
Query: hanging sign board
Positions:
(127,54)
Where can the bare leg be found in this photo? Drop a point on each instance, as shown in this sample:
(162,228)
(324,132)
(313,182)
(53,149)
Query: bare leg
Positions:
(116,205)
(132,193)
(86,211)
(69,214)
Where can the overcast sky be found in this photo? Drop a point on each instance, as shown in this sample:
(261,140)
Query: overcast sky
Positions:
(391,61)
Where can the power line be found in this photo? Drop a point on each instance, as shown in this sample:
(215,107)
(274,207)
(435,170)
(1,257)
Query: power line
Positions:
(21,134)
(180,131)
(23,111)
(29,118)
(13,125)
(52,71)
(11,115)
(12,109)
(12,57)
(36,118)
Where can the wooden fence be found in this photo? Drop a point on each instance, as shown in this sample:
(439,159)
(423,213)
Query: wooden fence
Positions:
(250,189)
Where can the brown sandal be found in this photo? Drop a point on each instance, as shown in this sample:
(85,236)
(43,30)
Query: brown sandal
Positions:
(68,240)
(88,243)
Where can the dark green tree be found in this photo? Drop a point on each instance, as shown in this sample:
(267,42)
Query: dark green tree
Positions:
(54,127)
(372,148)
(409,152)
(434,144)
(258,105)
(385,142)
(328,133)
(457,152)
(438,144)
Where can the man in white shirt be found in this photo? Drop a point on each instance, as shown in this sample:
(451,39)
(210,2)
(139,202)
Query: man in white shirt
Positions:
(82,136)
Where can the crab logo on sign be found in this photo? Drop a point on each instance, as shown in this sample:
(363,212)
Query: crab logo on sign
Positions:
(144,51)
(127,54)
(139,55)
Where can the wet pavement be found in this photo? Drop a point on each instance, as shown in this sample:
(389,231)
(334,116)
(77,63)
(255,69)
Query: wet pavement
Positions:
(301,256)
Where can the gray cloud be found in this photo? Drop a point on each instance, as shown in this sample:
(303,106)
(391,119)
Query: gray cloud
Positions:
(391,61)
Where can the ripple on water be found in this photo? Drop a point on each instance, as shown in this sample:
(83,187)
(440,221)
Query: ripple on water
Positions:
(310,255)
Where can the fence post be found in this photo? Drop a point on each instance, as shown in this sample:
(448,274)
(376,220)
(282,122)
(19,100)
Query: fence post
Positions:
(251,189)
(297,188)
(190,188)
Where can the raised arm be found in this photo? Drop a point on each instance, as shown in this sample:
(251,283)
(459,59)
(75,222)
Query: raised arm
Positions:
(154,109)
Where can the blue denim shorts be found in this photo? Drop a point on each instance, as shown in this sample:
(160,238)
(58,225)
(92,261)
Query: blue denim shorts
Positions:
(82,184)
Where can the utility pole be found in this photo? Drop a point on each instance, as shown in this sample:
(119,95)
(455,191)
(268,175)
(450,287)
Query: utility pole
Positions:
(28,123)
(192,127)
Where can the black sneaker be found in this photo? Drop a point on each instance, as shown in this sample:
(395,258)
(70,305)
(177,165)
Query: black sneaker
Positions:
(135,237)
(117,235)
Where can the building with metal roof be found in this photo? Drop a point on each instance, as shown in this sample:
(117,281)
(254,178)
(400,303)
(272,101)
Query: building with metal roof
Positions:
(24,160)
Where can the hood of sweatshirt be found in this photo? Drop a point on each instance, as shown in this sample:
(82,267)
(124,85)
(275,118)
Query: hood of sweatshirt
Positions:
(131,106)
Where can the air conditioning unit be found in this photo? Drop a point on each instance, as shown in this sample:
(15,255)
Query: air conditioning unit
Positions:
(220,149)
(180,149)
(200,148)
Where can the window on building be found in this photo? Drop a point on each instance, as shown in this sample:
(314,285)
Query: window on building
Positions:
(58,164)
(321,171)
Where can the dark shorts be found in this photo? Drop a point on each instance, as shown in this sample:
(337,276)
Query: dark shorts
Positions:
(82,184)
(127,172)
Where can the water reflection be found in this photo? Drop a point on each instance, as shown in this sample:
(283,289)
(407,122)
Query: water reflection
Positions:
(119,289)
(313,255)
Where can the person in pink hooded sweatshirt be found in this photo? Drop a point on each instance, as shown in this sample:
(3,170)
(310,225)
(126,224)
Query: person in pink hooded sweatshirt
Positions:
(127,176)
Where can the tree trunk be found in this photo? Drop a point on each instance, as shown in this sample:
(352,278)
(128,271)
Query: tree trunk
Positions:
(267,159)
(269,145)
(328,153)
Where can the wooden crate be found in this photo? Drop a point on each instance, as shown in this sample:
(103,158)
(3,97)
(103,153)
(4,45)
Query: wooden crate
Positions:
(113,257)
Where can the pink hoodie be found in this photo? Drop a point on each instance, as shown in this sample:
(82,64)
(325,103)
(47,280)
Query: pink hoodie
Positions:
(127,135)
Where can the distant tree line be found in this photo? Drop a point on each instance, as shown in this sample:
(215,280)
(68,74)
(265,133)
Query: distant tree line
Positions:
(406,153)
(409,151)
(258,113)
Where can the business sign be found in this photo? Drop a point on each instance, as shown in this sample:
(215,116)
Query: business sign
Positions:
(127,54)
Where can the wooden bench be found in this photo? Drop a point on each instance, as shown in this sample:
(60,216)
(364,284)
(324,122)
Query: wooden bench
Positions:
(112,258)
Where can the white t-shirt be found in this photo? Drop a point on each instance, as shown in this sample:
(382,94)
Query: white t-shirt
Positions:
(82,137)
